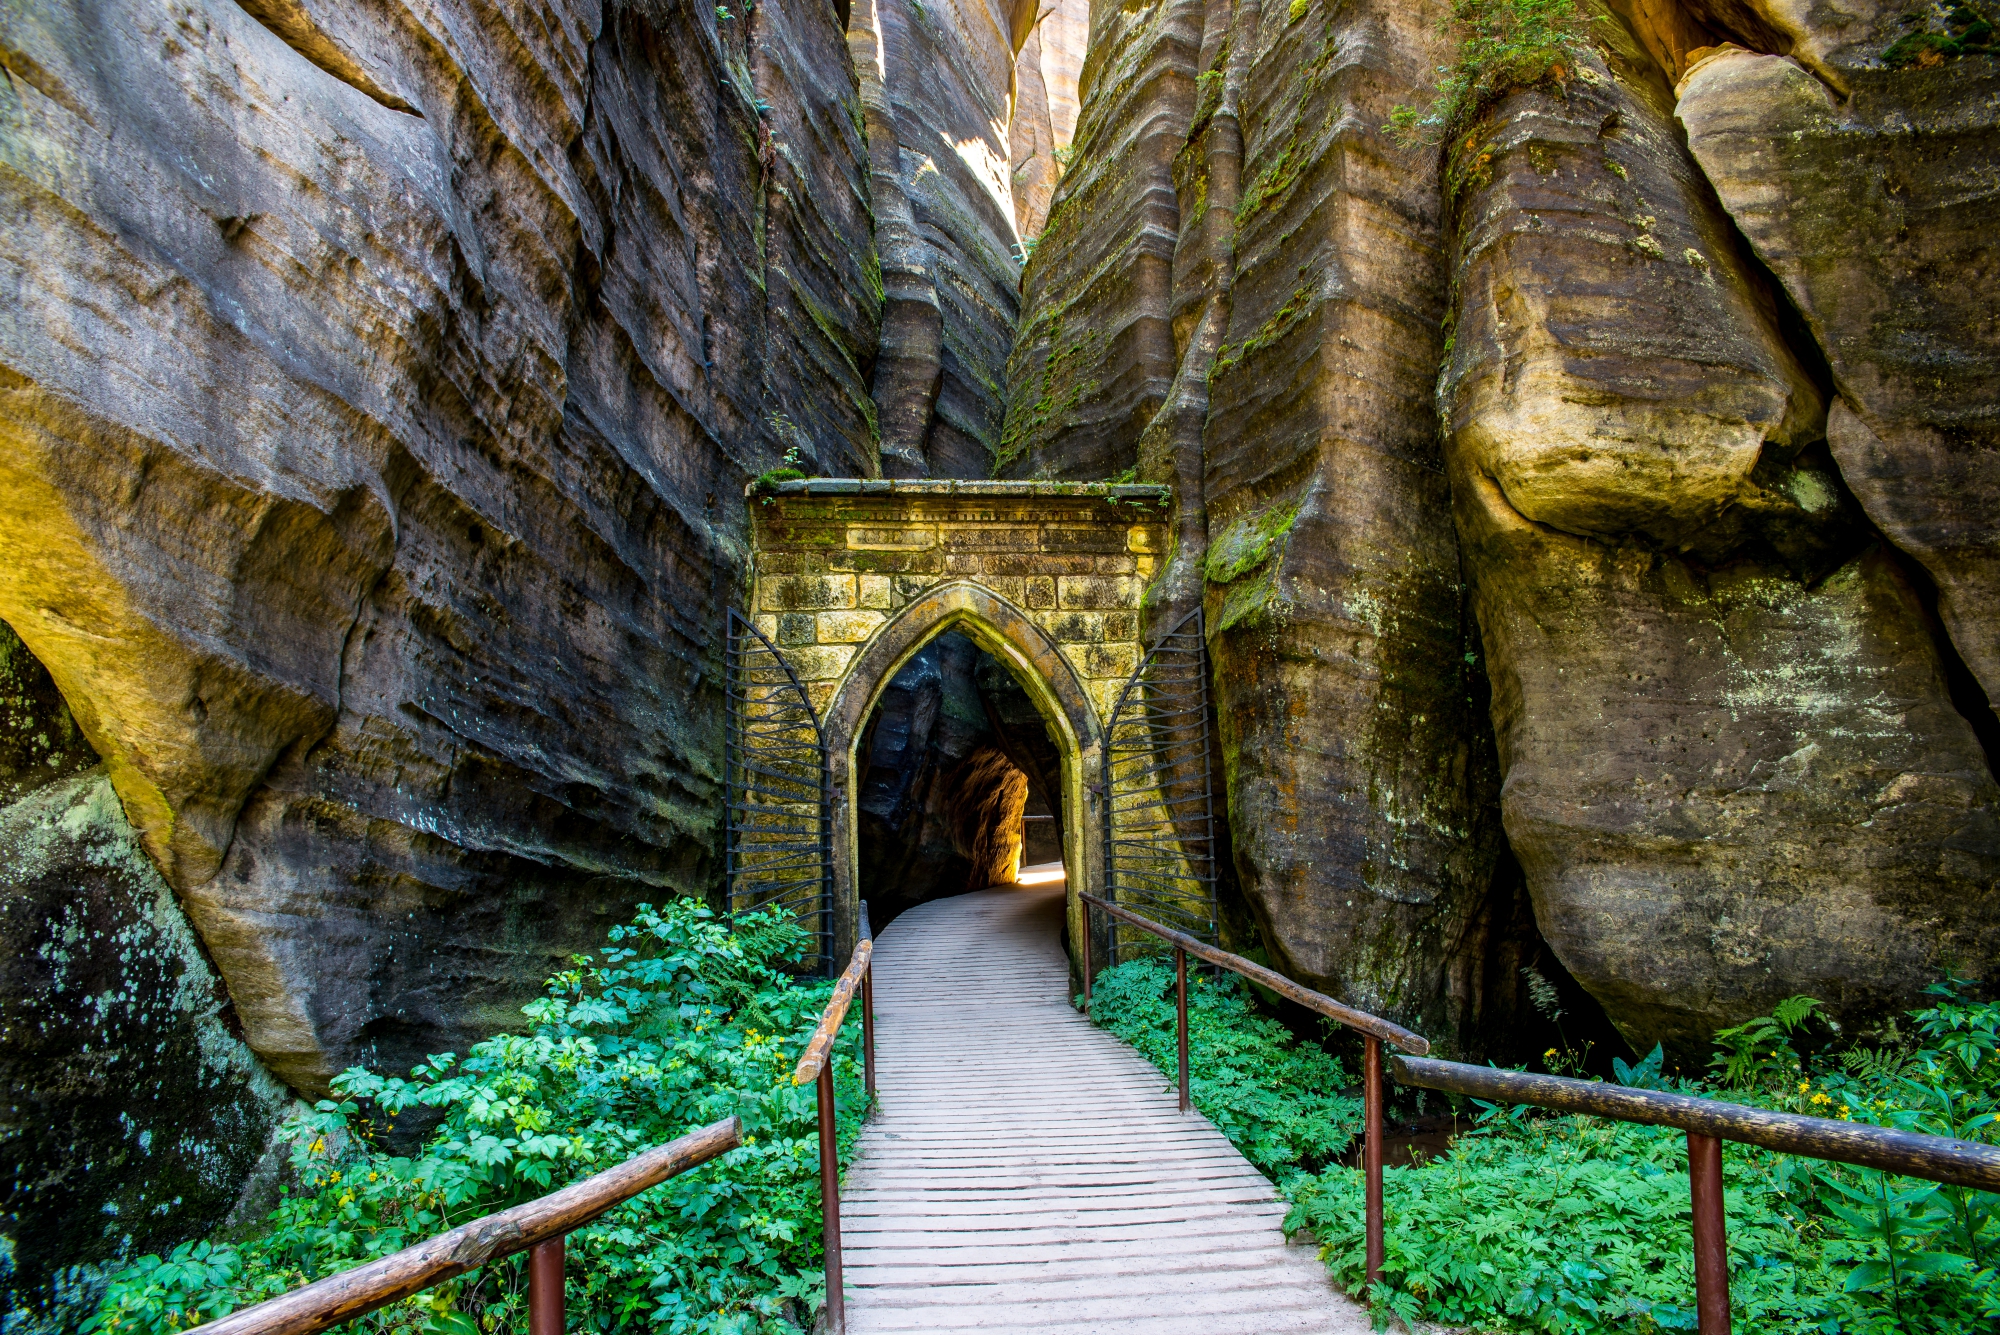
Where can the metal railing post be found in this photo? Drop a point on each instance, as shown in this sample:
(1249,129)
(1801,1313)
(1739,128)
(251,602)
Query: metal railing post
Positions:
(1086,957)
(1371,1155)
(1180,1004)
(545,1288)
(868,1026)
(829,1202)
(1711,1245)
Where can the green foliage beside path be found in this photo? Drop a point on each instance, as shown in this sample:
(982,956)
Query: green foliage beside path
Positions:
(685,1020)
(1580,1226)
(1281,1102)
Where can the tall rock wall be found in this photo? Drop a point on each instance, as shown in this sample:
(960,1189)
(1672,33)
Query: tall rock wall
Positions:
(377,389)
(1241,291)
(1650,419)
(963,101)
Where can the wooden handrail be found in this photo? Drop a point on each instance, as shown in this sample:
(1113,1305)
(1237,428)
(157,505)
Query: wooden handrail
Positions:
(816,1065)
(1960,1163)
(1372,1025)
(357,1292)
(821,1044)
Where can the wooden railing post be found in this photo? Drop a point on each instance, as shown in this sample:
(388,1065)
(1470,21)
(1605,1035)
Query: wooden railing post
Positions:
(829,1202)
(1180,1005)
(1371,1156)
(1086,957)
(545,1288)
(1711,1244)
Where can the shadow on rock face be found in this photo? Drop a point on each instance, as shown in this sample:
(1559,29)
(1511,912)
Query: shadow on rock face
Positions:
(955,755)
(135,1118)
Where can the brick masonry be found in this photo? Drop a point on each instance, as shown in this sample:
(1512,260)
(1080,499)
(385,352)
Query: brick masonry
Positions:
(836,559)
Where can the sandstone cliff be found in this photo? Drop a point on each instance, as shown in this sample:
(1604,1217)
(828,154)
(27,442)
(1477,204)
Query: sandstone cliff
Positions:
(1656,407)
(1591,514)
(379,387)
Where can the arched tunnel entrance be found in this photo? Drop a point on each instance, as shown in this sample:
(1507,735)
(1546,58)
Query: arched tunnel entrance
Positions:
(958,782)
(934,665)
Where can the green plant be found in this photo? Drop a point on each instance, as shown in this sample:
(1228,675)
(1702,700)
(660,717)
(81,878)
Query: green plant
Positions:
(1573,1224)
(1502,45)
(1759,1052)
(788,471)
(1945,30)
(1279,1101)
(685,1019)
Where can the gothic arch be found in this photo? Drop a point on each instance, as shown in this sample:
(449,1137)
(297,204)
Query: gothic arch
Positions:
(1014,640)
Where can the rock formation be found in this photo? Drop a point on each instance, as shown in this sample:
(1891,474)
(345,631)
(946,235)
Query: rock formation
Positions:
(134,1116)
(1591,515)
(379,389)
(1704,522)
(1245,299)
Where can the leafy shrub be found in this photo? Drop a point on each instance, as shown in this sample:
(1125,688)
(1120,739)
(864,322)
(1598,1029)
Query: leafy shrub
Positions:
(1503,45)
(1278,1101)
(1535,1222)
(686,1020)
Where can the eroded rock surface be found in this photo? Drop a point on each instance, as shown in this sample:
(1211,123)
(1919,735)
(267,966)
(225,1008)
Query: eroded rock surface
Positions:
(1733,767)
(1875,212)
(937,94)
(379,387)
(1241,291)
(134,1116)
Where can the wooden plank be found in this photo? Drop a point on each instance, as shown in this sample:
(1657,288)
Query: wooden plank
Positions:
(1024,1171)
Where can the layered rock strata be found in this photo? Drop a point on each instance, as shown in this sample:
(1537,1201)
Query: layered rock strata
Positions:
(1240,290)
(379,384)
(960,100)
(1874,211)
(1733,766)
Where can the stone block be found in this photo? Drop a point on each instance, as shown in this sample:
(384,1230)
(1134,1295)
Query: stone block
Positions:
(895,539)
(848,627)
(1091,538)
(991,538)
(1075,627)
(1040,592)
(1039,563)
(796,628)
(876,591)
(1124,563)
(819,662)
(926,561)
(1120,626)
(780,563)
(1110,592)
(1009,587)
(1151,538)
(767,623)
(806,593)
(1111,660)
(910,586)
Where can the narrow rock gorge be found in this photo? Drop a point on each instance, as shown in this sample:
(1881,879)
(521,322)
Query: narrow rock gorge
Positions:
(1590,505)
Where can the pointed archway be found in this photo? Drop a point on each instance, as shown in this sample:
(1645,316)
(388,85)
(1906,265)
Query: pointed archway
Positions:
(1021,646)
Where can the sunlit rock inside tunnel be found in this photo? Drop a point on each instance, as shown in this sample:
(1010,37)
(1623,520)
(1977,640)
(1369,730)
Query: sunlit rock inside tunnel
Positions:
(960,786)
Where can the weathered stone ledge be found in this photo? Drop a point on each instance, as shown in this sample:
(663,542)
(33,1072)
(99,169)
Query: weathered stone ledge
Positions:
(864,486)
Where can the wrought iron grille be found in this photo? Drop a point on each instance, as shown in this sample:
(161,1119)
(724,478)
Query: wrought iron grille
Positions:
(780,849)
(1159,816)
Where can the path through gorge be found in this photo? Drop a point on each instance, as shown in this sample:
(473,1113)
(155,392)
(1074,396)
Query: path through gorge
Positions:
(1026,1171)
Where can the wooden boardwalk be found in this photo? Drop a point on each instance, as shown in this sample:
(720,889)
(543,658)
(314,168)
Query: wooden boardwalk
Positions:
(1028,1172)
